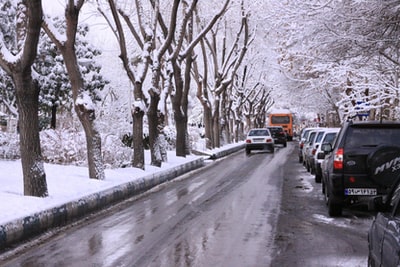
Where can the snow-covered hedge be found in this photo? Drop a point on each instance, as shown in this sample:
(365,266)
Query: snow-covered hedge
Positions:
(69,146)
(9,146)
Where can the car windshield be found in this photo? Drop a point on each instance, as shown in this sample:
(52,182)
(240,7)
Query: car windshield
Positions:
(372,137)
(329,137)
(260,132)
(319,137)
(276,130)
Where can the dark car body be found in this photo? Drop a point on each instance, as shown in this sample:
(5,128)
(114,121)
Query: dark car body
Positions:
(279,135)
(384,233)
(361,164)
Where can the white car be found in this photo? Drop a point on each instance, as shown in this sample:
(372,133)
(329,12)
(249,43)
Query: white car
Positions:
(259,139)
(328,137)
(312,148)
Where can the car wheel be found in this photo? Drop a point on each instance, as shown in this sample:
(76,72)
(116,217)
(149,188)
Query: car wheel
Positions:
(308,167)
(284,144)
(317,178)
(248,151)
(334,209)
(371,262)
(323,187)
(326,197)
(312,171)
(300,159)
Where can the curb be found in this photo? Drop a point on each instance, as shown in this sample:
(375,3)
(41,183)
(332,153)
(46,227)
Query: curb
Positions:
(37,223)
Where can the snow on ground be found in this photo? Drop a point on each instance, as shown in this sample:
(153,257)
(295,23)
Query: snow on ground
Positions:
(65,184)
(68,183)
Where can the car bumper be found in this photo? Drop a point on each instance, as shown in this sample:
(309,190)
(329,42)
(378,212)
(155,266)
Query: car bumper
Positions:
(269,146)
(339,184)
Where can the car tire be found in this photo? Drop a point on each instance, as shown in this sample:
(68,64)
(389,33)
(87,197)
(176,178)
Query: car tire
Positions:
(248,151)
(371,262)
(326,194)
(308,167)
(318,178)
(300,159)
(312,170)
(285,144)
(334,209)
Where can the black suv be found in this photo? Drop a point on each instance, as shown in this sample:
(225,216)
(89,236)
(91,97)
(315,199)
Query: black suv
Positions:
(279,135)
(361,165)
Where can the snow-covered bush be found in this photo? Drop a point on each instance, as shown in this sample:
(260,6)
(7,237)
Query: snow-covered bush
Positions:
(115,153)
(68,146)
(63,147)
(9,146)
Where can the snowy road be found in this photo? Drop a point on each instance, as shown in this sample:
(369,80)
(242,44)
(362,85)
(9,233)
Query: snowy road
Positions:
(222,215)
(307,236)
(261,210)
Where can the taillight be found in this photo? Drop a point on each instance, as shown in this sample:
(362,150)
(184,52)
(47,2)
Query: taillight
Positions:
(269,140)
(338,159)
(313,151)
(248,141)
(301,145)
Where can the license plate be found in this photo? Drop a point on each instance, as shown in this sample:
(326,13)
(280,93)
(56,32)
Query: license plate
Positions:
(258,140)
(360,191)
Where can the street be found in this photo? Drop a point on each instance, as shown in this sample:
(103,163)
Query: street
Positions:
(257,210)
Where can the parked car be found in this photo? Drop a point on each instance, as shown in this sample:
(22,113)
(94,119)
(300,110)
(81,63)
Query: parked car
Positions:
(328,136)
(312,148)
(307,147)
(361,165)
(384,233)
(259,139)
(279,135)
(303,137)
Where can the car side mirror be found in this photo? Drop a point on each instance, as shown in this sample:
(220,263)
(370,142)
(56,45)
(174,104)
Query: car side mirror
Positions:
(326,147)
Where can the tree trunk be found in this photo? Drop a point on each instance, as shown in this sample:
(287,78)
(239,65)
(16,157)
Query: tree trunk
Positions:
(152,116)
(178,115)
(93,141)
(207,120)
(86,114)
(27,94)
(53,122)
(215,123)
(137,116)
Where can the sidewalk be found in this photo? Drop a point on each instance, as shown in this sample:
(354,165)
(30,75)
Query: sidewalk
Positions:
(72,195)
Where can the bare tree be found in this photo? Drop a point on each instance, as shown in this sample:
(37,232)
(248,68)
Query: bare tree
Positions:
(225,65)
(183,78)
(145,41)
(83,104)
(18,64)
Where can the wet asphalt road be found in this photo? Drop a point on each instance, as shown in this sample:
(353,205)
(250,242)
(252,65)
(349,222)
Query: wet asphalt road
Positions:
(306,236)
(257,210)
(221,215)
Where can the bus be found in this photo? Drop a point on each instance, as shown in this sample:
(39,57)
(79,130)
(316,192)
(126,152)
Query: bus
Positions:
(285,120)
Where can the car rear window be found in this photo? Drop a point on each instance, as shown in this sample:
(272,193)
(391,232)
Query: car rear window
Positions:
(258,132)
(372,137)
(329,137)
